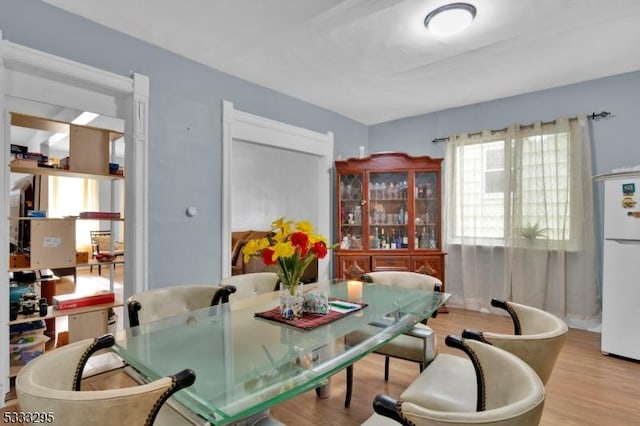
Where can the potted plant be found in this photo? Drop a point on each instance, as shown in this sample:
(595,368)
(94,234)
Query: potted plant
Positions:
(532,232)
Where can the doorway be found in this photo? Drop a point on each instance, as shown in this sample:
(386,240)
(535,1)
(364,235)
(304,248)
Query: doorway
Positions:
(272,169)
(33,76)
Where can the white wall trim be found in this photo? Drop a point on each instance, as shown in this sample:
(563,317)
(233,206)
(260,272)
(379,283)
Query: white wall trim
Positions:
(4,231)
(137,181)
(20,57)
(124,97)
(238,125)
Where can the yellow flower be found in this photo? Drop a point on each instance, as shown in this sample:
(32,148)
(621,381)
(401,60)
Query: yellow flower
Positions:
(305,226)
(280,237)
(253,247)
(283,225)
(282,249)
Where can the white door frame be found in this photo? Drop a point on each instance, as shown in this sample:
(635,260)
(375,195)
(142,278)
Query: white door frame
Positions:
(242,126)
(35,75)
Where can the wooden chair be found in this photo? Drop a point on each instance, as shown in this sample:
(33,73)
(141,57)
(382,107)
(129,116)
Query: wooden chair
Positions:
(51,383)
(101,244)
(537,339)
(490,387)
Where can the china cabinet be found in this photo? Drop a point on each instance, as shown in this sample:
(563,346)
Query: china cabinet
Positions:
(389,215)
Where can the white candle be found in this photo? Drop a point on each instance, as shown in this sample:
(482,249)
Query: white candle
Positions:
(354,290)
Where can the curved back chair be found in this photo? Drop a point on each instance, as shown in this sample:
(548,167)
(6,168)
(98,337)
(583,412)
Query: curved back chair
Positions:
(152,305)
(404,279)
(538,336)
(490,387)
(51,383)
(418,344)
(252,284)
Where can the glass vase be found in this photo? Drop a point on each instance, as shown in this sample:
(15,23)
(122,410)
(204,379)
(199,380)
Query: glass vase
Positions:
(291,302)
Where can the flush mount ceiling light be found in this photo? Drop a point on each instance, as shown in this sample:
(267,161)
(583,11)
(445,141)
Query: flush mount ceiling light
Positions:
(450,18)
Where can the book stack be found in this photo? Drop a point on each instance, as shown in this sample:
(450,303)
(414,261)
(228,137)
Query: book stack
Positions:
(21,162)
(30,159)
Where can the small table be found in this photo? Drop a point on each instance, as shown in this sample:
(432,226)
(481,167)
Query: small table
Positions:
(245,365)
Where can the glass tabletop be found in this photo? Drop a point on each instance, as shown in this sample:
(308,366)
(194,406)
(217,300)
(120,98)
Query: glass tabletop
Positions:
(245,364)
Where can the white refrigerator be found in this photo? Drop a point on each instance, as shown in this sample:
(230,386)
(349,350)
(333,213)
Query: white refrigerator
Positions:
(621,265)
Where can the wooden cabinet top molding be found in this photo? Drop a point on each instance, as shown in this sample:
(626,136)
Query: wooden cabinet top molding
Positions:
(382,161)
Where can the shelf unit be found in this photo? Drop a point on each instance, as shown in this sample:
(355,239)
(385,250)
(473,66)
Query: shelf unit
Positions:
(45,171)
(79,318)
(389,215)
(77,265)
(55,313)
(54,238)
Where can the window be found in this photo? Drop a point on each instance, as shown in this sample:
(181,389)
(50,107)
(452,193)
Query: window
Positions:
(69,196)
(545,188)
(515,187)
(493,168)
(528,236)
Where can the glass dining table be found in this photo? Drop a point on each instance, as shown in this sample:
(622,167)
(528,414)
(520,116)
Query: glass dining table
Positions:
(245,364)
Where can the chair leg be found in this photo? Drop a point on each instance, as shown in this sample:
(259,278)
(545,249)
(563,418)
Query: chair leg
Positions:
(386,368)
(421,366)
(347,396)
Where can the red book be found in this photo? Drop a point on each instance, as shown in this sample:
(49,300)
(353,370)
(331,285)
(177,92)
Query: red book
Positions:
(70,301)
(99,215)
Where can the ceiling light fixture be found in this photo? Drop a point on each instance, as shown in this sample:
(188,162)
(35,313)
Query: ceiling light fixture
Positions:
(450,18)
(85,118)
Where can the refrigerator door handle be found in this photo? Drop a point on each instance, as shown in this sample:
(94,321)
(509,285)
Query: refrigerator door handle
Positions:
(624,241)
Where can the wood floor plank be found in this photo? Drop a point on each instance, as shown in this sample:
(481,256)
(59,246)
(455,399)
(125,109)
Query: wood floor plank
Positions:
(585,388)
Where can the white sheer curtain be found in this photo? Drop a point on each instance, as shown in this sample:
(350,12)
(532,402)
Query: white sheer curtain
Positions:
(520,218)
(70,196)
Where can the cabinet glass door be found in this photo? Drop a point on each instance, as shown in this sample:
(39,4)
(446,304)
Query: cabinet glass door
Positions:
(351,205)
(426,210)
(388,214)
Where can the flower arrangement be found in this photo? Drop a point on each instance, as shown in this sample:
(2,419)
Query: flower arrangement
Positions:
(291,246)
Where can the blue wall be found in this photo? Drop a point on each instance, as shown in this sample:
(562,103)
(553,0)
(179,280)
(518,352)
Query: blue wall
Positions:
(614,139)
(185,120)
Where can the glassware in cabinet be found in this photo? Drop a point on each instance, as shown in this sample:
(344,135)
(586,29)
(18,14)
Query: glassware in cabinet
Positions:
(351,210)
(427,208)
(388,212)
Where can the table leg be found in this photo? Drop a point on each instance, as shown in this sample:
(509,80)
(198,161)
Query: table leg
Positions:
(323,391)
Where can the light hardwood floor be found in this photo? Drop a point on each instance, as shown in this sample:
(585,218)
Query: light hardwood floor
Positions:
(586,387)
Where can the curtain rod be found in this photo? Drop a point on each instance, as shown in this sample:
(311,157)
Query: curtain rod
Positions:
(593,116)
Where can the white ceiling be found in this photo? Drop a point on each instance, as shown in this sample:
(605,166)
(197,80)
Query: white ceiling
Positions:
(373,60)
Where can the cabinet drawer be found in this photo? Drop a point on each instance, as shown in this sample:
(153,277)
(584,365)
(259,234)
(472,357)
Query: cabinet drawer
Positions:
(390,263)
(88,325)
(431,265)
(352,267)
